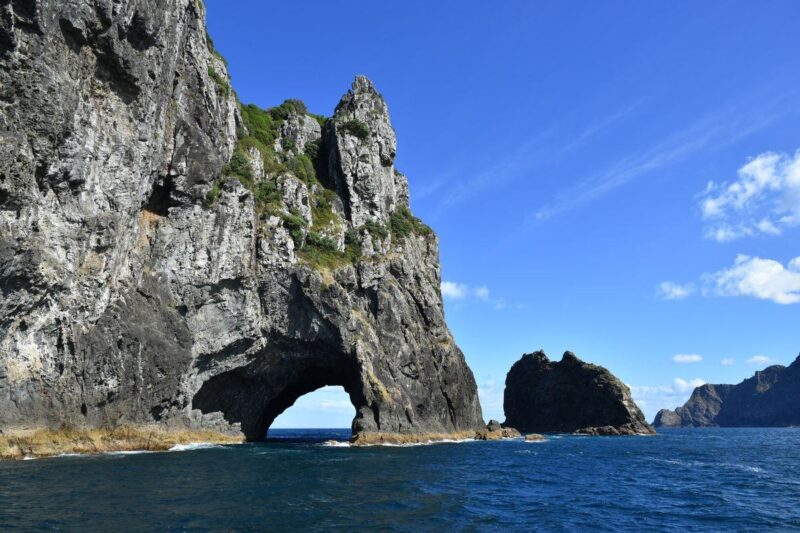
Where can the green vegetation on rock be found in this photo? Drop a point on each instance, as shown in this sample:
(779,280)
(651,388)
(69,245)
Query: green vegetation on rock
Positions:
(402,224)
(356,128)
(222,85)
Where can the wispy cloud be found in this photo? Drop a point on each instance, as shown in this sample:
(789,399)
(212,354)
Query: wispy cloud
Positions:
(764,199)
(728,362)
(536,151)
(669,290)
(759,360)
(687,358)
(714,131)
(764,279)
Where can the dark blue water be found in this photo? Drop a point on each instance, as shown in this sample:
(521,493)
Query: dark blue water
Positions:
(680,480)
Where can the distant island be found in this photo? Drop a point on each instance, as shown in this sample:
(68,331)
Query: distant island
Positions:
(771,398)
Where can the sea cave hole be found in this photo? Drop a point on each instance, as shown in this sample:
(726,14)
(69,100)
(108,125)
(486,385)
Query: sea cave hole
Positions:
(326,408)
(287,392)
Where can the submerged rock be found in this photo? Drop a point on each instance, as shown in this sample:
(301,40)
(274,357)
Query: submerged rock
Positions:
(168,256)
(569,396)
(768,399)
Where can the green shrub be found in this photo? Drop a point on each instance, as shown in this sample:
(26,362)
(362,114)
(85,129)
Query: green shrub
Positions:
(288,107)
(259,123)
(302,167)
(322,210)
(239,165)
(352,238)
(287,144)
(321,119)
(377,230)
(267,193)
(402,224)
(222,85)
(213,194)
(312,150)
(296,225)
(320,252)
(356,128)
(321,241)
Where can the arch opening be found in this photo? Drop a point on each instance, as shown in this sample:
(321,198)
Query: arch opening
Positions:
(255,395)
(326,408)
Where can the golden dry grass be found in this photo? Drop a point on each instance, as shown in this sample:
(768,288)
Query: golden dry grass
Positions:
(51,442)
(367,439)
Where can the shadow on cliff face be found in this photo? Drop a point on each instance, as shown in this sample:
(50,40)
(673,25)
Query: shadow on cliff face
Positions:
(256,394)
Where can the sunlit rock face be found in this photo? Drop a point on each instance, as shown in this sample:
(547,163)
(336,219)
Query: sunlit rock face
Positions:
(167,256)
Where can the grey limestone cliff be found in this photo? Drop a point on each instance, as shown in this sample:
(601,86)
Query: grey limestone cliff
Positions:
(169,256)
(569,396)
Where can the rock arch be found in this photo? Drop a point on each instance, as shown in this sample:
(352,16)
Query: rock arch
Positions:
(254,395)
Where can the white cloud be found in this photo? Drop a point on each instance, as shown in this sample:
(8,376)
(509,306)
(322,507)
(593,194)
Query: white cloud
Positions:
(763,199)
(669,290)
(682,385)
(687,358)
(461,291)
(651,399)
(760,278)
(336,405)
(759,360)
(728,362)
(454,291)
(482,293)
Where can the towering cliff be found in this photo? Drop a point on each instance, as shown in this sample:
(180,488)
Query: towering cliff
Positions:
(768,399)
(569,396)
(168,256)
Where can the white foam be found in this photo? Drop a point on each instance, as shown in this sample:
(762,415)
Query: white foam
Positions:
(129,452)
(194,446)
(336,444)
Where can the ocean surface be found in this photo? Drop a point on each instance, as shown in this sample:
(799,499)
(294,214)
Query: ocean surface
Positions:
(680,480)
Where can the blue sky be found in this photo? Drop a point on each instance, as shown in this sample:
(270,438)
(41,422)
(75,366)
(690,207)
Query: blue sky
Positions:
(619,179)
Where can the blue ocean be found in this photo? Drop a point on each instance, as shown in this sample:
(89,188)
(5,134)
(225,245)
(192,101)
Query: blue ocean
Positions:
(679,480)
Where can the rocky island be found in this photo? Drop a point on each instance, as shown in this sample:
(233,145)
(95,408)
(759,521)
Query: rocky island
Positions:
(569,396)
(768,399)
(173,259)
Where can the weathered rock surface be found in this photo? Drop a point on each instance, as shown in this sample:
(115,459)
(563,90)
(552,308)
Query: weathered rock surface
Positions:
(768,399)
(142,282)
(701,410)
(535,437)
(495,431)
(569,396)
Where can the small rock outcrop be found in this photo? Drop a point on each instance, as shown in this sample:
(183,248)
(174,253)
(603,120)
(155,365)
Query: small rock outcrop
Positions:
(496,431)
(569,396)
(768,399)
(171,257)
